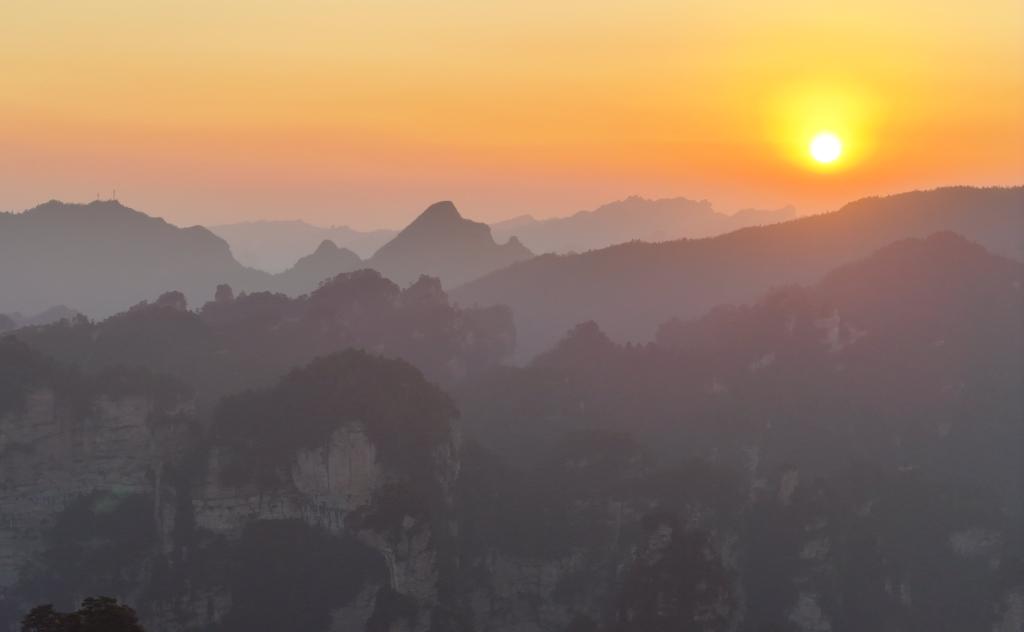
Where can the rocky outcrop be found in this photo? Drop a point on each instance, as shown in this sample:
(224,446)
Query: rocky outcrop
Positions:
(119,492)
(325,485)
(67,461)
(338,487)
(51,456)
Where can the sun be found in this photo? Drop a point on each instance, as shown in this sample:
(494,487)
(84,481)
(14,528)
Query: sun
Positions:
(826,147)
(823,128)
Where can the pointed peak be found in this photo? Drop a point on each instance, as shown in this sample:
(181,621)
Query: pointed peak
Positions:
(326,247)
(514,244)
(440,211)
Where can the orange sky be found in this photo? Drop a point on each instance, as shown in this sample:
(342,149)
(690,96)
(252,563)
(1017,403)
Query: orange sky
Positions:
(364,112)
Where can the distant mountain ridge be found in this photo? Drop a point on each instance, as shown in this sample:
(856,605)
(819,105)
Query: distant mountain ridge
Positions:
(632,288)
(324,263)
(103,257)
(925,312)
(276,245)
(632,219)
(442,243)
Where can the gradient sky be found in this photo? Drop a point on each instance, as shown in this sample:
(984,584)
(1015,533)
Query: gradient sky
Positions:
(364,112)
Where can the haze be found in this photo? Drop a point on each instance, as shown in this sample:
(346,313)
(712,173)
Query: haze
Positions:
(450,316)
(366,112)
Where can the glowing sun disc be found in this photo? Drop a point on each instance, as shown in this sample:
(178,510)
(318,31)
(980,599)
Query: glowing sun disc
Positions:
(826,147)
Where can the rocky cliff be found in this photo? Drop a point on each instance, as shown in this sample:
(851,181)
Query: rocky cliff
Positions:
(121,492)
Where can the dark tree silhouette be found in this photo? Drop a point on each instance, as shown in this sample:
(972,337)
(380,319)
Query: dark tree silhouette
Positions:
(96,614)
(45,619)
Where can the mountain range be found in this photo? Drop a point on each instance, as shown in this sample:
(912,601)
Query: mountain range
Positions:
(839,439)
(630,289)
(275,246)
(102,257)
(632,219)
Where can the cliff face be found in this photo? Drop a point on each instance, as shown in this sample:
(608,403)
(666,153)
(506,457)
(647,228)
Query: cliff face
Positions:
(324,485)
(589,542)
(333,488)
(774,551)
(51,456)
(119,495)
(656,575)
(595,537)
(71,466)
(338,487)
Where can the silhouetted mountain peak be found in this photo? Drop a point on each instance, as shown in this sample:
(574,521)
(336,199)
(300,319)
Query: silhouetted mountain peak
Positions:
(327,261)
(440,223)
(275,245)
(329,252)
(326,247)
(442,243)
(439,213)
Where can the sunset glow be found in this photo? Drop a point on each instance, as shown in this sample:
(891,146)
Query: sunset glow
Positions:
(365,112)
